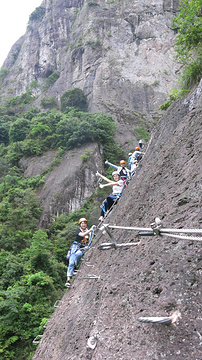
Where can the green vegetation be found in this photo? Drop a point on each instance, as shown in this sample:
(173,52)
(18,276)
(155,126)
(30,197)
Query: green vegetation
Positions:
(3,72)
(188,47)
(142,132)
(51,80)
(175,94)
(32,261)
(37,14)
(50,103)
(74,98)
(94,44)
(85,156)
(189,41)
(92,3)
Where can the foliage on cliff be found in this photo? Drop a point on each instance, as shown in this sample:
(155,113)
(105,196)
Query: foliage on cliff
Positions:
(32,261)
(189,40)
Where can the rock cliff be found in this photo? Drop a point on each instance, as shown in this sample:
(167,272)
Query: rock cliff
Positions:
(159,277)
(69,184)
(120,53)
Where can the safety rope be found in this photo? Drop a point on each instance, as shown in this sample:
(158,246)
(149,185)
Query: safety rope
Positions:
(183,237)
(91,237)
(158,320)
(154,230)
(161,320)
(107,246)
(91,277)
(197,231)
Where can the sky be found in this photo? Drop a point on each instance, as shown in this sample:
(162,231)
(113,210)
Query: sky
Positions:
(14,16)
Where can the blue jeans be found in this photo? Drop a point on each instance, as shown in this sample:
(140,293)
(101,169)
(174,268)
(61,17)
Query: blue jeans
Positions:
(107,204)
(74,259)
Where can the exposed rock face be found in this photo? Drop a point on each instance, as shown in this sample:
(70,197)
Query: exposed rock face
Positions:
(68,184)
(158,278)
(119,52)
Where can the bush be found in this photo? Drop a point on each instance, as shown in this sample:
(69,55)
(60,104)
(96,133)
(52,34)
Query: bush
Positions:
(189,40)
(51,80)
(49,103)
(74,98)
(3,73)
(37,14)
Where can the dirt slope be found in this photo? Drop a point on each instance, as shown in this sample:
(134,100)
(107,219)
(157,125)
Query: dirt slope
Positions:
(156,279)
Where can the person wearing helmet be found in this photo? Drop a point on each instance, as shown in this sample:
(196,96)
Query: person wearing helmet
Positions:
(117,186)
(135,158)
(76,250)
(124,173)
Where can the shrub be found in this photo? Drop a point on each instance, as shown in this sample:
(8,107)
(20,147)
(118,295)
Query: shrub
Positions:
(3,73)
(51,80)
(189,40)
(37,14)
(49,103)
(74,97)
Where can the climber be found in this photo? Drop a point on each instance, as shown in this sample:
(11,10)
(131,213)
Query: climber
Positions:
(124,173)
(77,249)
(135,158)
(117,185)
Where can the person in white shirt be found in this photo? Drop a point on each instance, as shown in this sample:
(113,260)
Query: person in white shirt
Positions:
(117,186)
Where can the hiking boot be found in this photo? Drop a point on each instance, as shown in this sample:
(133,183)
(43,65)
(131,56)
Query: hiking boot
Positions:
(67,284)
(75,272)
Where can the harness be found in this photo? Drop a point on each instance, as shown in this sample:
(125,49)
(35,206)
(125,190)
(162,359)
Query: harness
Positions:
(118,195)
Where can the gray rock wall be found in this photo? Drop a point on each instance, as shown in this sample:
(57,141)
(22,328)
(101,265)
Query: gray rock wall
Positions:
(68,184)
(119,52)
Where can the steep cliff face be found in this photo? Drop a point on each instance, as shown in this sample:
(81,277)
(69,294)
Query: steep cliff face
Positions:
(119,52)
(68,184)
(156,279)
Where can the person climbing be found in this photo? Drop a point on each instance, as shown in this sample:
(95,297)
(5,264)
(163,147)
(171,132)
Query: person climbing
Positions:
(117,185)
(124,173)
(135,158)
(137,154)
(77,249)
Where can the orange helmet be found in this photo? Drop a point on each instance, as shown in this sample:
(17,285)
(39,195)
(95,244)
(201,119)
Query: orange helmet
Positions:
(82,219)
(122,162)
(137,148)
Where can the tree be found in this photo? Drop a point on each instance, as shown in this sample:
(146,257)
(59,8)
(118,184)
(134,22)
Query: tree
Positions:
(74,98)
(18,130)
(189,40)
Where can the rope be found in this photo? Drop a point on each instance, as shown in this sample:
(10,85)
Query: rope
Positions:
(188,231)
(156,320)
(91,277)
(35,341)
(91,237)
(163,319)
(184,237)
(107,246)
(199,231)
(159,231)
(128,228)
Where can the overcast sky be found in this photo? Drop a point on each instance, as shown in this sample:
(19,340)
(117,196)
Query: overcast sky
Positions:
(14,16)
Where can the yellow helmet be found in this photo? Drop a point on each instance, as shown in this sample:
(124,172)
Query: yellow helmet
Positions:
(137,148)
(82,219)
(122,162)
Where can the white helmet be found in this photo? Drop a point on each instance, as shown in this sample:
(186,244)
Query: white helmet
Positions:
(115,173)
